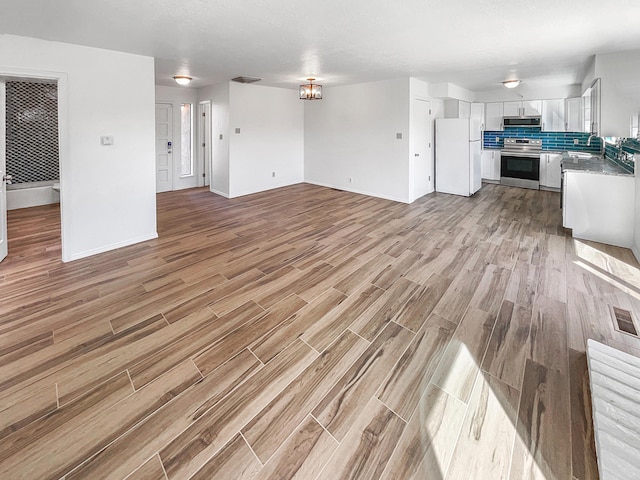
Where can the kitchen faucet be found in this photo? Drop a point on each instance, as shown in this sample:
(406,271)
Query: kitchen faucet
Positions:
(593,135)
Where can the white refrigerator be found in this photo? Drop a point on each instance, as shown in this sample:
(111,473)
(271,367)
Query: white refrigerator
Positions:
(458,149)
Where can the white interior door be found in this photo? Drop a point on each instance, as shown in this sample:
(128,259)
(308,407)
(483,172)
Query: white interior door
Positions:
(422,157)
(164,147)
(3,171)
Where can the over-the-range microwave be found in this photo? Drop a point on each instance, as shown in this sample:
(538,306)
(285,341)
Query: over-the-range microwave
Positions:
(532,122)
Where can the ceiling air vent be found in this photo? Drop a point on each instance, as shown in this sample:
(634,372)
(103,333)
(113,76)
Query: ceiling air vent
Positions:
(246,79)
(624,321)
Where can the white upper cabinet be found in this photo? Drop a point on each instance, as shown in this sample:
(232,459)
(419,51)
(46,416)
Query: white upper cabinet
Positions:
(553,115)
(493,113)
(532,107)
(512,109)
(456,109)
(523,108)
(574,121)
(464,110)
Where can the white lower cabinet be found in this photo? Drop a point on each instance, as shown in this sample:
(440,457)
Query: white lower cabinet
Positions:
(599,207)
(491,165)
(550,170)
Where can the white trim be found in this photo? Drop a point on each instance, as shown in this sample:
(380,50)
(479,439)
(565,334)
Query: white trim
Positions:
(63,134)
(206,180)
(218,192)
(360,192)
(113,246)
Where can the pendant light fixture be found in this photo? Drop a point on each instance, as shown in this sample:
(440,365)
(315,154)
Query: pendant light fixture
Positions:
(182,80)
(511,83)
(311,91)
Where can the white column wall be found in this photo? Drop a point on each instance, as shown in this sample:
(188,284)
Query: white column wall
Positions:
(271,137)
(351,134)
(218,95)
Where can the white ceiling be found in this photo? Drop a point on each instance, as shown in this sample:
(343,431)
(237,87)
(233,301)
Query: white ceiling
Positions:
(473,43)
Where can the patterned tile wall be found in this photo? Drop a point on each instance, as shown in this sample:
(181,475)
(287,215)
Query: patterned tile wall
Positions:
(32,132)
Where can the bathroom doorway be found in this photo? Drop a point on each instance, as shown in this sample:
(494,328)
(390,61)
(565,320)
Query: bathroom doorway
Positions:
(30,155)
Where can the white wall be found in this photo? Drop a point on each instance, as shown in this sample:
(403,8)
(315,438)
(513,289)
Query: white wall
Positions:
(271,137)
(528,92)
(620,95)
(636,237)
(107,193)
(451,90)
(176,96)
(218,95)
(351,133)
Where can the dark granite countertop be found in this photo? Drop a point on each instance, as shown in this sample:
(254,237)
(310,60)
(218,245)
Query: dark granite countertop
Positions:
(591,164)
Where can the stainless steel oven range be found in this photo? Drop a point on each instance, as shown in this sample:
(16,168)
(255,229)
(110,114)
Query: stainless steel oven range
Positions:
(520,162)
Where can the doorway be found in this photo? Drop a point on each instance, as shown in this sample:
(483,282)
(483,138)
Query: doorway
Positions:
(421,151)
(32,143)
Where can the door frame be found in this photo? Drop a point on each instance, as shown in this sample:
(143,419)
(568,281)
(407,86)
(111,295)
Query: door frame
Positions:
(61,79)
(413,194)
(204,154)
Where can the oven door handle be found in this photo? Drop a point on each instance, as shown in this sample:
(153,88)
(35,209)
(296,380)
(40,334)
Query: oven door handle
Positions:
(507,153)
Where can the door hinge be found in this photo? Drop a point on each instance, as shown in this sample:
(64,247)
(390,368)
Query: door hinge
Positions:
(429,144)
(203,144)
(204,114)
(429,111)
(203,175)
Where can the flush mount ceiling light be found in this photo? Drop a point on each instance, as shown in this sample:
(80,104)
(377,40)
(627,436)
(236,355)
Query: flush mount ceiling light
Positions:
(311,91)
(511,83)
(182,79)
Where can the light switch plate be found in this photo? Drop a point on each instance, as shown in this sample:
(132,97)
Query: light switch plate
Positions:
(398,136)
(237,130)
(106,140)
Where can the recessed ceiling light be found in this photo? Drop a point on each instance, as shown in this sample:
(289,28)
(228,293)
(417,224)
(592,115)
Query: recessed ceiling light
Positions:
(182,79)
(511,83)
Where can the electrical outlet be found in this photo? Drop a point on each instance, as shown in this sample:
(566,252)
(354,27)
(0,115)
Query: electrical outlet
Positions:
(576,141)
(497,139)
(237,130)
(350,180)
(273,174)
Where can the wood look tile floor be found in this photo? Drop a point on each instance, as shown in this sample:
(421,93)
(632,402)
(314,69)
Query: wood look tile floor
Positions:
(310,333)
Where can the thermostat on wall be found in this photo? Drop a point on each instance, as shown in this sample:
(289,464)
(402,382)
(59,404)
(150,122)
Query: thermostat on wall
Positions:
(106,140)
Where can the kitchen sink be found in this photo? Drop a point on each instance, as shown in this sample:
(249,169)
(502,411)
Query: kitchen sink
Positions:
(581,154)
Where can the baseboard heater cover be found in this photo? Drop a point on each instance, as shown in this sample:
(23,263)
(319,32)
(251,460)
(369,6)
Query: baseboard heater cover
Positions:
(615,393)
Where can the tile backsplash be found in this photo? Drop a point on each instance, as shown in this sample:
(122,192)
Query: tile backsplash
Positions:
(560,141)
(550,140)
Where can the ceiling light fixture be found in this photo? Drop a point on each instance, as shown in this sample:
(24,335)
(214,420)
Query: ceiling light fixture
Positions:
(311,91)
(182,80)
(511,83)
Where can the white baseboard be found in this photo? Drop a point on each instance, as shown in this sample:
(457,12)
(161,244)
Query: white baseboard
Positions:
(107,248)
(636,251)
(218,192)
(360,192)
